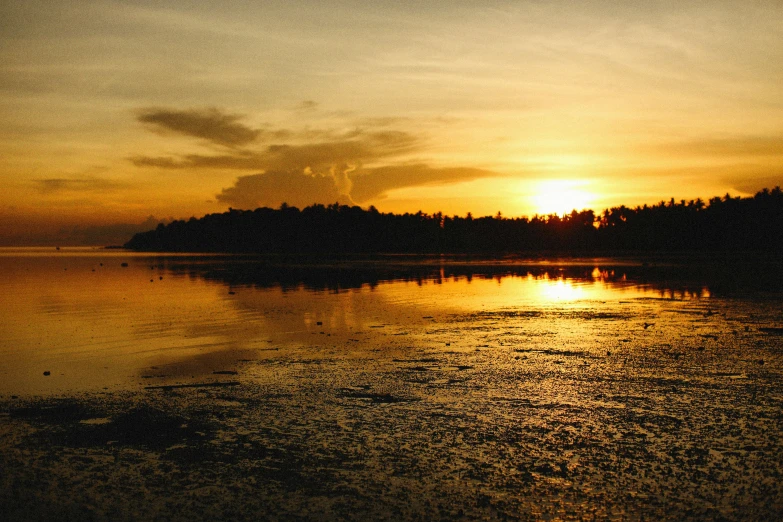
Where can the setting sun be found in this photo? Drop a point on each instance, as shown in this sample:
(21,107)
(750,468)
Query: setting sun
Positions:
(561,197)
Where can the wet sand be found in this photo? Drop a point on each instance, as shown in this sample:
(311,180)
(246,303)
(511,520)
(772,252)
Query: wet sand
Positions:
(626,409)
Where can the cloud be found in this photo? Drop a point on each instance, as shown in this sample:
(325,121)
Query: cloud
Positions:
(341,184)
(245,161)
(750,184)
(306,166)
(57,185)
(307,106)
(364,148)
(374,183)
(209,124)
(319,157)
(272,188)
(724,147)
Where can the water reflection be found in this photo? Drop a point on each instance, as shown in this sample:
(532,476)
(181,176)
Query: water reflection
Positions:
(111,319)
(561,278)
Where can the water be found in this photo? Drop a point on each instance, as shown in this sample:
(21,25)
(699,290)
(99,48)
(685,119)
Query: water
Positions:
(389,388)
(95,323)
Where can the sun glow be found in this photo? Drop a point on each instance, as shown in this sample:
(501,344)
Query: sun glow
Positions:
(561,197)
(560,290)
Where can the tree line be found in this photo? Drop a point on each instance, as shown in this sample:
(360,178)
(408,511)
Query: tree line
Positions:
(720,224)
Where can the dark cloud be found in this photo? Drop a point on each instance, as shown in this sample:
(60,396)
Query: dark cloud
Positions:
(244,161)
(164,162)
(210,124)
(52,185)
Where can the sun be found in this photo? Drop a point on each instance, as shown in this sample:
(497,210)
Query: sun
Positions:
(561,196)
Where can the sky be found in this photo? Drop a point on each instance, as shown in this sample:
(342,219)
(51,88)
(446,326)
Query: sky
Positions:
(116,115)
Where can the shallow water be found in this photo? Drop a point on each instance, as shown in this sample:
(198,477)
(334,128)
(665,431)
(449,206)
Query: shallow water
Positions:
(389,388)
(96,324)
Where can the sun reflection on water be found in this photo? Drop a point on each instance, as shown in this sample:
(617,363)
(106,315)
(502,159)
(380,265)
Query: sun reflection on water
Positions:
(560,290)
(105,318)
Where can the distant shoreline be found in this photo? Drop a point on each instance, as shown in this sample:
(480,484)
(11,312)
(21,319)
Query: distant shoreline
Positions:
(727,224)
(533,256)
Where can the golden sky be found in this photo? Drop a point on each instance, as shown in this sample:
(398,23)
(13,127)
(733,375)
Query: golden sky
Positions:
(115,111)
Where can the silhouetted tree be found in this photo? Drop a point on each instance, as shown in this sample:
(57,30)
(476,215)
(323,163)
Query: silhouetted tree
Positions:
(722,224)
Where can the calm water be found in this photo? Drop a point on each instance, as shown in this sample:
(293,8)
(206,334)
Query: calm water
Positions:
(389,388)
(98,319)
